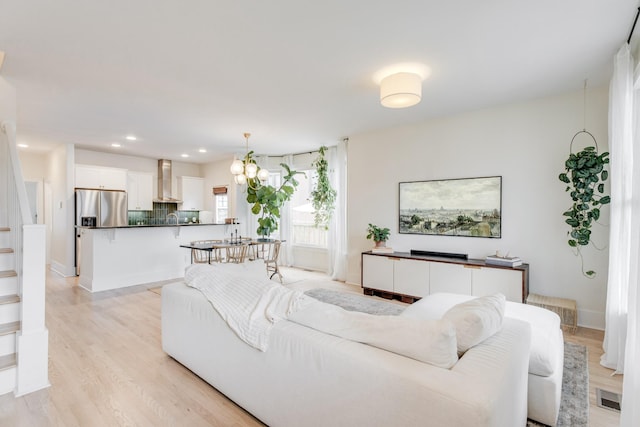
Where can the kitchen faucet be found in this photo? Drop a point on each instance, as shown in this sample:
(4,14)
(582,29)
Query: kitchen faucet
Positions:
(174,215)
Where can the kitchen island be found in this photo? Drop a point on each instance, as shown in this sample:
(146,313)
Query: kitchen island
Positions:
(116,257)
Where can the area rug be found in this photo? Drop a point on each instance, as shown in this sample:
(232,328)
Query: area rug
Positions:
(353,302)
(574,403)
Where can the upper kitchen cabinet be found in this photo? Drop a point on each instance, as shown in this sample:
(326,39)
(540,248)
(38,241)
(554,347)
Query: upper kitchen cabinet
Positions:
(100,177)
(191,192)
(140,191)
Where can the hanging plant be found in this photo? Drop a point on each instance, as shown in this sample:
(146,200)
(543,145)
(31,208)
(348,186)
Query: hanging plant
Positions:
(584,175)
(323,196)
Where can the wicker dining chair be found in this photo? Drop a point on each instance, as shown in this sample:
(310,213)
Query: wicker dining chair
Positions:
(237,253)
(200,256)
(270,253)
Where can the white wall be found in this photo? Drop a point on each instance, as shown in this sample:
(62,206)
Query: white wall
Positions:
(527,145)
(61,175)
(7,114)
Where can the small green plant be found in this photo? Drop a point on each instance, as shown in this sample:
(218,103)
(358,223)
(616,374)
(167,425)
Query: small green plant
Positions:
(377,234)
(323,196)
(584,175)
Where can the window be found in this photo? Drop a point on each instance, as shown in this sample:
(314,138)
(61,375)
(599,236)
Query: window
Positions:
(304,232)
(221,203)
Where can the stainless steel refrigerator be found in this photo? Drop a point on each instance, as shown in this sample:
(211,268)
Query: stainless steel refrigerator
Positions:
(98,208)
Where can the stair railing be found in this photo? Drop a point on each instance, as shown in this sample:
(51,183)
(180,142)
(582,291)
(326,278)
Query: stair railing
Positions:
(29,242)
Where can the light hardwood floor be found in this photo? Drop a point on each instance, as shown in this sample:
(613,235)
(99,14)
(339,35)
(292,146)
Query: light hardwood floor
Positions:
(107,367)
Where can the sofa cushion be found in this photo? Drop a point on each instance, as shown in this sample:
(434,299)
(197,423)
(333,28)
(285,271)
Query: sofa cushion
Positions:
(429,341)
(545,326)
(476,320)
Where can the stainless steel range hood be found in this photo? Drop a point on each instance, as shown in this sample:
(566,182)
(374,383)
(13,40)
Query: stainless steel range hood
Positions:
(164,183)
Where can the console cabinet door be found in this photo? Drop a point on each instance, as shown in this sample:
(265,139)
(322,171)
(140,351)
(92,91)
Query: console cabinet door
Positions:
(377,272)
(488,281)
(451,278)
(411,277)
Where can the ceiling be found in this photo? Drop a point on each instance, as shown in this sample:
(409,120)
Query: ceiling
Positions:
(182,76)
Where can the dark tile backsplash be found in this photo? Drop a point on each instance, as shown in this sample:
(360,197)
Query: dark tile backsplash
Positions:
(158,216)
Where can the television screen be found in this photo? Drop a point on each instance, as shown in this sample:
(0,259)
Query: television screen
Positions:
(469,207)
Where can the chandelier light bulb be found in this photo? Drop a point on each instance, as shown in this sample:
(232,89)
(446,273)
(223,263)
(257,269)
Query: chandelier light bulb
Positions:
(240,179)
(251,170)
(237,167)
(263,175)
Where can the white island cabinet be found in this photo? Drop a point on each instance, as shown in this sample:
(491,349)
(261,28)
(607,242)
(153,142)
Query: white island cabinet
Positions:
(114,258)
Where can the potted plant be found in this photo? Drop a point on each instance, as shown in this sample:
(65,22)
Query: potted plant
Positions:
(267,199)
(323,196)
(378,235)
(584,175)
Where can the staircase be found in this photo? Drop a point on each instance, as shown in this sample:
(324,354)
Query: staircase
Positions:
(9,313)
(24,338)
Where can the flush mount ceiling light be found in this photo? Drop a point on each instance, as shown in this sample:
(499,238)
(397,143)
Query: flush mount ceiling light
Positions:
(130,138)
(401,90)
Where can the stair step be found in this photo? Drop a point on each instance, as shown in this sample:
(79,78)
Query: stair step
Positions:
(6,251)
(9,328)
(9,299)
(7,361)
(8,273)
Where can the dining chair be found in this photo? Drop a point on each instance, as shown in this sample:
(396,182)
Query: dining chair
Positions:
(271,251)
(201,256)
(237,253)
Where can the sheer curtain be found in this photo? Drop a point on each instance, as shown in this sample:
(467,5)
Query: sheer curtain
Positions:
(622,333)
(337,242)
(621,148)
(631,382)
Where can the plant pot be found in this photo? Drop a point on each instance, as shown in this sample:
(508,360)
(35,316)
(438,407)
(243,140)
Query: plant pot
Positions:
(381,244)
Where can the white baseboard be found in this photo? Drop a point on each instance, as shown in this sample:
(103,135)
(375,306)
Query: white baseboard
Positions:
(591,319)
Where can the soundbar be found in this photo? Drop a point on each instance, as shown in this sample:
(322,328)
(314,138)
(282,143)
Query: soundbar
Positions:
(440,254)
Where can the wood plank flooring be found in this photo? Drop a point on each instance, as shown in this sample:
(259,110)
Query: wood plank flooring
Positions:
(107,367)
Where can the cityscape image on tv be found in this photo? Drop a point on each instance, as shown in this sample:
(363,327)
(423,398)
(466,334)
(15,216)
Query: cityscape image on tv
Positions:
(456,207)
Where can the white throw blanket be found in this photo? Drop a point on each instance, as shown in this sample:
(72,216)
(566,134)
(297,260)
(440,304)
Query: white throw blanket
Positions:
(249,305)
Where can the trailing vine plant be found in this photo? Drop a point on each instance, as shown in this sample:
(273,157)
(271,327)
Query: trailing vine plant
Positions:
(584,175)
(323,196)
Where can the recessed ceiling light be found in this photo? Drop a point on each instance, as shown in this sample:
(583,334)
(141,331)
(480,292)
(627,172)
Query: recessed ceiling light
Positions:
(203,150)
(115,144)
(130,138)
(23,146)
(184,155)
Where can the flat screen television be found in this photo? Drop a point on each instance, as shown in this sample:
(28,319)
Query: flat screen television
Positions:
(468,207)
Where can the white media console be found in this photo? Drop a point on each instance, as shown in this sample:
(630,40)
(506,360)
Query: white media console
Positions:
(409,277)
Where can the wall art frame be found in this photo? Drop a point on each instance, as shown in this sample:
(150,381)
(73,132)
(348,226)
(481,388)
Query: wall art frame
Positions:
(467,207)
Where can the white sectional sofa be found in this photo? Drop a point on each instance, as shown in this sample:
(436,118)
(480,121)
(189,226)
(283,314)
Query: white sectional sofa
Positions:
(310,378)
(547,349)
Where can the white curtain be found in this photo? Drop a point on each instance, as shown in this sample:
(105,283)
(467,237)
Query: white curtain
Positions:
(621,149)
(337,241)
(631,382)
(622,333)
(286,256)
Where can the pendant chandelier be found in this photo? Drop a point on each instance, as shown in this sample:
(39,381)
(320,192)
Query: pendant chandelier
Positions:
(246,171)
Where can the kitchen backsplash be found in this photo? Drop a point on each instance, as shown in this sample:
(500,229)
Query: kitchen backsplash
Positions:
(158,216)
